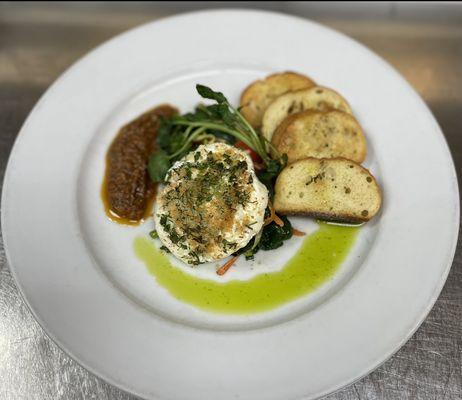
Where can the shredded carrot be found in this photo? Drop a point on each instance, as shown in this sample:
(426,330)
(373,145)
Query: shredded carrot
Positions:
(273,217)
(296,232)
(224,268)
(278,220)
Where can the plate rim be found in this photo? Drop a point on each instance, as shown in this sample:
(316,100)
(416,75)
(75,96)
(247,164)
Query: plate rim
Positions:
(442,139)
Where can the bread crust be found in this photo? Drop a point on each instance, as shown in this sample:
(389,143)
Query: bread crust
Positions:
(312,133)
(334,207)
(259,94)
(317,98)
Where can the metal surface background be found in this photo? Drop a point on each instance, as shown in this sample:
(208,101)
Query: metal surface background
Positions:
(38,42)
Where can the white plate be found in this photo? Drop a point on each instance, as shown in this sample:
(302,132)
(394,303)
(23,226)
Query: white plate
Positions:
(78,273)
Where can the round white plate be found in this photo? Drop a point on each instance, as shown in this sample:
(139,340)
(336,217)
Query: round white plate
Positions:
(77,270)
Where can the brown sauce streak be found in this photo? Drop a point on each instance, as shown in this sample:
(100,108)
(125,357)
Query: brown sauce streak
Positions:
(127,192)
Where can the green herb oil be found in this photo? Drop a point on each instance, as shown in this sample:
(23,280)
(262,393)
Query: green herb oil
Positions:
(315,262)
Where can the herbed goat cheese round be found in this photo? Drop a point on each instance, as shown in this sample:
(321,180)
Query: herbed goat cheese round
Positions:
(211,205)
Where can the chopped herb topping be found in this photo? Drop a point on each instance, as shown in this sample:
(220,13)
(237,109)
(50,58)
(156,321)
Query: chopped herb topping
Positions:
(315,178)
(204,193)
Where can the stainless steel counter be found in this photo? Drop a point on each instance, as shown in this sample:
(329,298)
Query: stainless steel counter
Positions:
(38,42)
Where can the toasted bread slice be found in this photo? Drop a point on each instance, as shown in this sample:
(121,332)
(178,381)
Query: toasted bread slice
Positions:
(320,134)
(332,189)
(259,94)
(314,98)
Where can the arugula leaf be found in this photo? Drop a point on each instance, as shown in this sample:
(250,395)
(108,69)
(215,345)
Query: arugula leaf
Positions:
(208,93)
(159,164)
(169,137)
(176,135)
(201,113)
(164,133)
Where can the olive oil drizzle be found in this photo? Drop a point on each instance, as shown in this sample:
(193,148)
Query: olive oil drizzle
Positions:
(317,260)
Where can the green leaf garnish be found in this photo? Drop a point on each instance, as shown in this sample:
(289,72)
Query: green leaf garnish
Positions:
(177,135)
(159,164)
(208,93)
